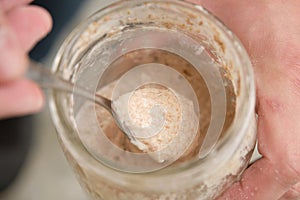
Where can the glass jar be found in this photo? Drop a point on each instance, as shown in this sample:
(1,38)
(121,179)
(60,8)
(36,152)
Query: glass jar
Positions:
(163,34)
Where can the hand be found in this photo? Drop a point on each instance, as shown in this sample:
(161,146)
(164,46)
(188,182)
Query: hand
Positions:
(270,31)
(21,26)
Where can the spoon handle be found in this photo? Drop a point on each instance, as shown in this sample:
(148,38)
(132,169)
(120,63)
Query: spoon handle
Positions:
(45,78)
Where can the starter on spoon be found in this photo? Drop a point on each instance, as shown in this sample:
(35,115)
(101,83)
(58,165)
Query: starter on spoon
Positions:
(163,122)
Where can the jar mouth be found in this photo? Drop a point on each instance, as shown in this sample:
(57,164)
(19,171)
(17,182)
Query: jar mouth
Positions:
(244,88)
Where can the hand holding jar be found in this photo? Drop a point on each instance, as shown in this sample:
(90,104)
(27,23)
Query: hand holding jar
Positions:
(270,31)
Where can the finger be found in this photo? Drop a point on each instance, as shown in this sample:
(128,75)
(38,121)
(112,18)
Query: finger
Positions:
(293,193)
(261,181)
(30,23)
(20,98)
(6,5)
(13,60)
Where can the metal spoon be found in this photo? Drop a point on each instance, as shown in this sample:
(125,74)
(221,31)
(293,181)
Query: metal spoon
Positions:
(45,78)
